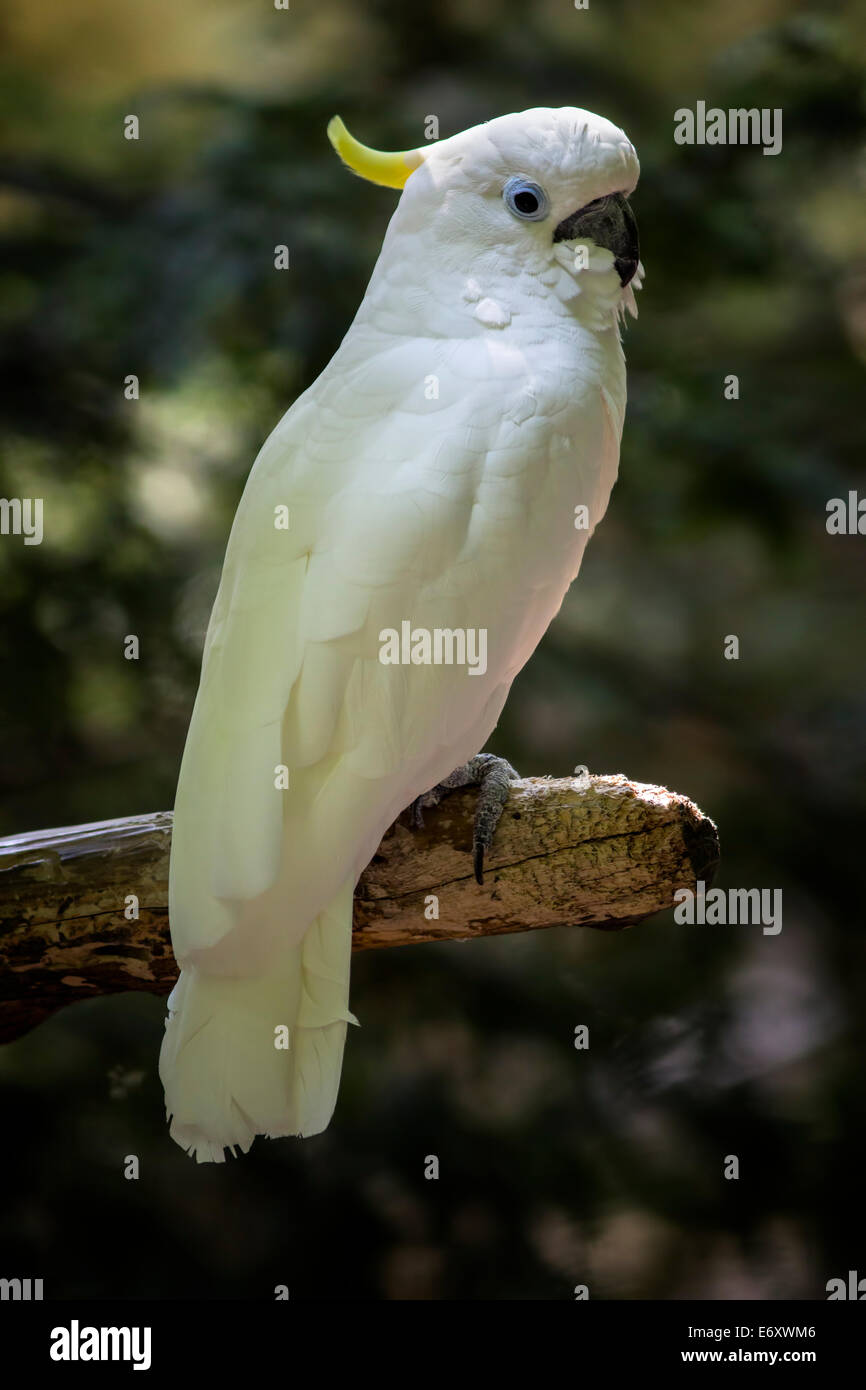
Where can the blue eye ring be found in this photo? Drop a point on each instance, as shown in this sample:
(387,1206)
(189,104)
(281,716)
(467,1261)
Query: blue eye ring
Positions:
(525,199)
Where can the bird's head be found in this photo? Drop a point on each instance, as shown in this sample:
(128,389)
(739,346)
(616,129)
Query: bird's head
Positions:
(524,189)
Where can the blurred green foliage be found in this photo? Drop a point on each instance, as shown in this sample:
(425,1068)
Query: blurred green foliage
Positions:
(155,258)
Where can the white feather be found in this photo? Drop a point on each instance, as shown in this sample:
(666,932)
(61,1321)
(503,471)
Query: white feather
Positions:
(451,508)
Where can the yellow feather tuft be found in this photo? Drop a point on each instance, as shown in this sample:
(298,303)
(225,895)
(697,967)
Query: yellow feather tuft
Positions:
(390,169)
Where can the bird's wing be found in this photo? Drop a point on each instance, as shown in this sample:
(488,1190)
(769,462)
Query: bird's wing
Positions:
(389,519)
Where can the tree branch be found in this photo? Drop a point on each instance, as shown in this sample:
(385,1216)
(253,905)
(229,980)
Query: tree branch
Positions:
(598,852)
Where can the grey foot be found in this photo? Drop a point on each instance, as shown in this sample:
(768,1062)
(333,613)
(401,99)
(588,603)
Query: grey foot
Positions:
(492,776)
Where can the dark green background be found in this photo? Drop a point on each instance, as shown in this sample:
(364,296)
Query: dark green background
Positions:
(156,258)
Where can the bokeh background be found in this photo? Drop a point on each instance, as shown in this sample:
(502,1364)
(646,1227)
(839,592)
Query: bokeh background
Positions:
(155,257)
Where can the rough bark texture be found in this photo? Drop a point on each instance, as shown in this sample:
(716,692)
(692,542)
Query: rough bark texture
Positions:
(595,852)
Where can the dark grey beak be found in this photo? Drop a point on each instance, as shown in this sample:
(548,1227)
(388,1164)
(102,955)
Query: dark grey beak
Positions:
(610,223)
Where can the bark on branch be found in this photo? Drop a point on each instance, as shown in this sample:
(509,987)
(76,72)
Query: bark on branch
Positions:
(599,852)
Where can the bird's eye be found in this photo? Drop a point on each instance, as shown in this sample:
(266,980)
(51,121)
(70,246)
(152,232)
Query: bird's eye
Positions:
(525,199)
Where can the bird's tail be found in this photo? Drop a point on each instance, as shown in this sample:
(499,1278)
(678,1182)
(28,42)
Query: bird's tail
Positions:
(260,1055)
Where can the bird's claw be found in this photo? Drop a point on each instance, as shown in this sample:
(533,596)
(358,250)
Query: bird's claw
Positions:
(422,803)
(492,776)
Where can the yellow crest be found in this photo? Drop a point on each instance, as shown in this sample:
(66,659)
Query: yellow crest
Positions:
(390,169)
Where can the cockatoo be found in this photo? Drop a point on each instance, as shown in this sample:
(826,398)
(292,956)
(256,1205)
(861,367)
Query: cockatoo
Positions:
(442,476)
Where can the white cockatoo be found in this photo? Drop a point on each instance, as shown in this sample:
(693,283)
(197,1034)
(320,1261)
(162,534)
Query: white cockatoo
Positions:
(442,476)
